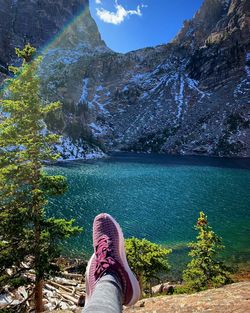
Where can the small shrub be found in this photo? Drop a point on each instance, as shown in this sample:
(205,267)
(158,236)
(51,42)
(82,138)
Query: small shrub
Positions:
(146,259)
(180,289)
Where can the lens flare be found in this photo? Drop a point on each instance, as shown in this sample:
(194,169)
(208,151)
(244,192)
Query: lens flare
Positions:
(73,33)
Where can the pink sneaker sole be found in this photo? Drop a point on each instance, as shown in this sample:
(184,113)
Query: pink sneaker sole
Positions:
(136,293)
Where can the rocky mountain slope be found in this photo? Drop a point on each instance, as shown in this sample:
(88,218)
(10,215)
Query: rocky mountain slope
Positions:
(190,96)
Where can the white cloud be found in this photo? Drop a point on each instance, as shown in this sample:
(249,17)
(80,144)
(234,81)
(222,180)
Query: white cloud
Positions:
(119,15)
(98,1)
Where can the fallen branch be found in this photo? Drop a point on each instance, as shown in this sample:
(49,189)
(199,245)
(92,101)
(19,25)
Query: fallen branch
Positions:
(60,286)
(72,275)
(65,281)
(68,297)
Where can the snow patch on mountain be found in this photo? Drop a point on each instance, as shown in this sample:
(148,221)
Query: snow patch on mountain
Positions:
(179,98)
(98,130)
(75,150)
(84,95)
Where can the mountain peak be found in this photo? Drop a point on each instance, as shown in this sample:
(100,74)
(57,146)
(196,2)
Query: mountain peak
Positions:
(195,31)
(37,22)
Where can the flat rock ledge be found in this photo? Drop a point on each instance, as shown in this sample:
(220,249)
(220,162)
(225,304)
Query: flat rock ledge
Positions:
(231,298)
(234,298)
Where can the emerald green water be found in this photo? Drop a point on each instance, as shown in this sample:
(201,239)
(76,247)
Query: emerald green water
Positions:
(159,198)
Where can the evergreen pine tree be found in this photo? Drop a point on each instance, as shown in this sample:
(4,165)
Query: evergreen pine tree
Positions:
(147,259)
(25,144)
(205,270)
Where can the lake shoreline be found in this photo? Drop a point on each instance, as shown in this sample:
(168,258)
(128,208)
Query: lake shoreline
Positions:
(170,159)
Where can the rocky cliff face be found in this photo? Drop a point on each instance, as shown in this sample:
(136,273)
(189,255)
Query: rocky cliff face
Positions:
(37,21)
(189,96)
(61,29)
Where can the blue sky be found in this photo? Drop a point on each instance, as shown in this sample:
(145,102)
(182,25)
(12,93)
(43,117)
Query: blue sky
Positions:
(127,25)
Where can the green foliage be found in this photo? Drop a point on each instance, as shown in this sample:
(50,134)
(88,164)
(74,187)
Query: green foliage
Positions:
(26,53)
(226,148)
(233,124)
(25,144)
(17,282)
(54,185)
(205,270)
(146,259)
(236,121)
(152,141)
(181,289)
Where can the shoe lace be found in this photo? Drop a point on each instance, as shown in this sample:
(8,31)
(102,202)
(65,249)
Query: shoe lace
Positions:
(103,253)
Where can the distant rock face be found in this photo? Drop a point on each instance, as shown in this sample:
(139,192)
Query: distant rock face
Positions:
(218,39)
(52,26)
(37,21)
(195,31)
(190,96)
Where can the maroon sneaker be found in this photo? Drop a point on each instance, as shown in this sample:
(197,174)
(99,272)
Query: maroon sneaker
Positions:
(110,256)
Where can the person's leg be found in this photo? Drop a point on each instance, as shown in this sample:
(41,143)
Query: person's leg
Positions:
(107,296)
(110,283)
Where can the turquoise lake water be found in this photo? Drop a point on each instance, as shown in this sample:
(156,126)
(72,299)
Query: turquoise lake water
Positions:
(159,198)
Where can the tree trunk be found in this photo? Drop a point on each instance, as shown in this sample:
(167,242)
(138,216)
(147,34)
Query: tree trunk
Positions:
(38,296)
(139,277)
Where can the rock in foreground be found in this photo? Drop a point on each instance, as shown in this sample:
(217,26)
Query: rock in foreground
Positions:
(231,298)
